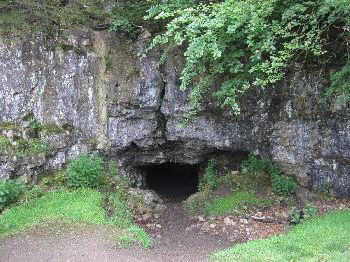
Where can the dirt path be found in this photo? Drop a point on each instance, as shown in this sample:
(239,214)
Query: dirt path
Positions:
(99,244)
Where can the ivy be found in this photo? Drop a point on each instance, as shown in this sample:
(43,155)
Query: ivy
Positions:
(251,44)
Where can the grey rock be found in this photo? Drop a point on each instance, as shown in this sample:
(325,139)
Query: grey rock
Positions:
(131,112)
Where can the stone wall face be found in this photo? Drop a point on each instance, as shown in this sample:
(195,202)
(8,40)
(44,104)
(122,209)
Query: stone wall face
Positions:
(130,110)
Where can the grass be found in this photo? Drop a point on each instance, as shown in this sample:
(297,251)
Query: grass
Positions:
(322,239)
(5,144)
(76,207)
(135,234)
(237,202)
(83,206)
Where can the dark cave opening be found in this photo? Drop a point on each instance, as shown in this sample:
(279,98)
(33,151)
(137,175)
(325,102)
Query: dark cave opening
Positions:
(174,182)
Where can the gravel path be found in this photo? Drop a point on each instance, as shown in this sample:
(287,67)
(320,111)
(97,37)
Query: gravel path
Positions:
(65,243)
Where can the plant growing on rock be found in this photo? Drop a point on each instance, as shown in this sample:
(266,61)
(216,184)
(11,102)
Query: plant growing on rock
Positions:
(85,172)
(209,180)
(234,46)
(5,144)
(281,184)
(9,192)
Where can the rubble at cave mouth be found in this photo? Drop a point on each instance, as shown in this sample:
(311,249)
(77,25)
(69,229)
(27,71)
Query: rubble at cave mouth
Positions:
(173,182)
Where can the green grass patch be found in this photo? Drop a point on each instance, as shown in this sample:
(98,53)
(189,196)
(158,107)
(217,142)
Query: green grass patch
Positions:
(83,206)
(322,239)
(135,234)
(237,202)
(77,207)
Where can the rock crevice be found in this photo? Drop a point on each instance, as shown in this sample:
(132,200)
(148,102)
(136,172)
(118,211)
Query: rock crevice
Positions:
(118,100)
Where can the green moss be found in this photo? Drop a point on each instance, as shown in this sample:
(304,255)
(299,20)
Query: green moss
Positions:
(66,47)
(27,16)
(5,144)
(26,148)
(9,126)
(197,202)
(238,202)
(108,62)
(38,146)
(53,128)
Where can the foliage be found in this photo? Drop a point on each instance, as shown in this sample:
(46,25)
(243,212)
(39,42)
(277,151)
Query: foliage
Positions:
(5,144)
(108,62)
(255,166)
(37,146)
(35,127)
(32,194)
(326,187)
(197,201)
(240,45)
(281,185)
(134,234)
(309,212)
(58,179)
(8,126)
(10,191)
(29,15)
(52,128)
(85,172)
(125,241)
(128,16)
(124,25)
(209,180)
(239,201)
(297,216)
(321,239)
(113,169)
(140,235)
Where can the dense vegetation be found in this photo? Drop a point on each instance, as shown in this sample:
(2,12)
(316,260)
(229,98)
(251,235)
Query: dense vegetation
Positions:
(77,195)
(251,44)
(231,46)
(256,174)
(320,239)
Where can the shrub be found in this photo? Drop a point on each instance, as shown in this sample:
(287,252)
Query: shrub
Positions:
(298,216)
(85,172)
(35,127)
(282,185)
(5,144)
(310,211)
(37,146)
(9,192)
(209,180)
(242,45)
(34,193)
(255,165)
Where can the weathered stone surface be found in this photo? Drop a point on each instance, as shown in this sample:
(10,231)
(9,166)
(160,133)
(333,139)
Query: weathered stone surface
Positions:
(131,110)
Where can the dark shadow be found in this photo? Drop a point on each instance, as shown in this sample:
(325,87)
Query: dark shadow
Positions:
(172,181)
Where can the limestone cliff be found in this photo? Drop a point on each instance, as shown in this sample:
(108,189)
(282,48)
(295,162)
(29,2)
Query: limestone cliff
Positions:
(110,95)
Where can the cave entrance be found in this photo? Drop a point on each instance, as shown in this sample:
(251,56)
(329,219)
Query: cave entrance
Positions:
(175,182)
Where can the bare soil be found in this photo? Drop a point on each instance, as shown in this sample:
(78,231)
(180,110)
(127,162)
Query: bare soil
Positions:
(172,243)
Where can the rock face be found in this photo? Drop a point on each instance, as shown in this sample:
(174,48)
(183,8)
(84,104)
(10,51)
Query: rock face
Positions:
(118,100)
